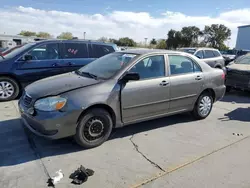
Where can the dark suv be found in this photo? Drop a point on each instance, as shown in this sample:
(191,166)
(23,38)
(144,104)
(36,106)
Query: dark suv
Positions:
(38,60)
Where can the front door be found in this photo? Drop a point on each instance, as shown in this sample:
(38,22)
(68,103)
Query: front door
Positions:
(186,82)
(45,62)
(148,96)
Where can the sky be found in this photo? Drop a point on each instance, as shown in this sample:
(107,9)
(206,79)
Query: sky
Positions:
(137,19)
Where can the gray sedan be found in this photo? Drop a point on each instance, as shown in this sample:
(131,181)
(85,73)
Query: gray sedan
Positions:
(119,89)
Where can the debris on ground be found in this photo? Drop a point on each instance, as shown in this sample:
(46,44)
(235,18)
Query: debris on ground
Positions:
(54,180)
(81,175)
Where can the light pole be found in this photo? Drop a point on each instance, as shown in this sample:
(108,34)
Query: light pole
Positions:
(84,33)
(146,41)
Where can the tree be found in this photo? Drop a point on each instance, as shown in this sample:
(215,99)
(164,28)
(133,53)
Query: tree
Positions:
(153,42)
(27,33)
(43,35)
(113,41)
(65,35)
(161,44)
(126,42)
(216,34)
(104,39)
(173,40)
(190,36)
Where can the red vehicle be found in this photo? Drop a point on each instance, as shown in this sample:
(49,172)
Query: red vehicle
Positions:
(9,50)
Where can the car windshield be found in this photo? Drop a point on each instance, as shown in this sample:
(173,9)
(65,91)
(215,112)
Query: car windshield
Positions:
(188,50)
(18,50)
(108,65)
(228,52)
(243,59)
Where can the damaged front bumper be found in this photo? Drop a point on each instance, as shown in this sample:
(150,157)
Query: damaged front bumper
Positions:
(50,125)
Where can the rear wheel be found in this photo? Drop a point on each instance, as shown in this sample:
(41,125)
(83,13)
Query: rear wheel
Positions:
(9,89)
(203,106)
(94,128)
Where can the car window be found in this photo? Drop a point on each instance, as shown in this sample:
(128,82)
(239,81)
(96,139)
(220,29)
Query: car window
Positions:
(243,60)
(216,53)
(208,54)
(75,50)
(101,50)
(199,54)
(150,67)
(45,52)
(182,65)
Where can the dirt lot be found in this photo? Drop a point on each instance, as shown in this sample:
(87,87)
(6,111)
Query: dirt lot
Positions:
(170,152)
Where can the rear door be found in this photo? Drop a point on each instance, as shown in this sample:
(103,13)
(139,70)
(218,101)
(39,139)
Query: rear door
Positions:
(46,61)
(75,55)
(210,58)
(186,82)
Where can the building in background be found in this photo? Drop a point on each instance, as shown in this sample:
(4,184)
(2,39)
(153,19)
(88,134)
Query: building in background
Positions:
(243,38)
(9,41)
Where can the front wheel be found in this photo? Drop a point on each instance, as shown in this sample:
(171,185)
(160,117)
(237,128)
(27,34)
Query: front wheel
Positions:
(94,128)
(9,89)
(203,106)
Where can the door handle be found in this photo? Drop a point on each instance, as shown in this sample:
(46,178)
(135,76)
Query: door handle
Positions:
(70,63)
(198,78)
(54,64)
(164,83)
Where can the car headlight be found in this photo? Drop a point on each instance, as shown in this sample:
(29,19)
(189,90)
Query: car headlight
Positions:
(50,103)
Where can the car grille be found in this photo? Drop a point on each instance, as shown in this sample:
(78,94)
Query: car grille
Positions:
(27,100)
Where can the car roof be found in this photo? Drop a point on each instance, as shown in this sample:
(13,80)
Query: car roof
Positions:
(74,41)
(150,51)
(199,48)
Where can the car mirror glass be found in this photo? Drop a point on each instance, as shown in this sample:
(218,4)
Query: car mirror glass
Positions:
(131,76)
(27,57)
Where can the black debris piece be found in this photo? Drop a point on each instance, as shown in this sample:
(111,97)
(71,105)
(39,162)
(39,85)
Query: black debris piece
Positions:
(81,175)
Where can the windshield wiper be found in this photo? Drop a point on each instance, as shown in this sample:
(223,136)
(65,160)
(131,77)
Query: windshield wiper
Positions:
(2,56)
(88,74)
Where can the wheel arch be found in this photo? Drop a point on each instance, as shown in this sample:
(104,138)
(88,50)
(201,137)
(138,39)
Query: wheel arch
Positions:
(211,91)
(103,106)
(12,77)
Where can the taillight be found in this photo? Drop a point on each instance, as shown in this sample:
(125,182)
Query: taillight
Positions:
(223,75)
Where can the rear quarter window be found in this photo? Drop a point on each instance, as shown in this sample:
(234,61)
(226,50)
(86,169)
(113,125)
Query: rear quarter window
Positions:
(216,54)
(101,50)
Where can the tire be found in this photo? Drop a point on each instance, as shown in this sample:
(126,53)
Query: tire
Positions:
(93,120)
(228,88)
(12,87)
(197,112)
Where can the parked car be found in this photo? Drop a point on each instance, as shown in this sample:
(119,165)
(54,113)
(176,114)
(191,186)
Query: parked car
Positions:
(211,56)
(42,59)
(120,89)
(8,50)
(238,73)
(229,55)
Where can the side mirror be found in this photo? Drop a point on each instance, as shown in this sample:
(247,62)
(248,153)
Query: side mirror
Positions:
(198,56)
(27,57)
(131,76)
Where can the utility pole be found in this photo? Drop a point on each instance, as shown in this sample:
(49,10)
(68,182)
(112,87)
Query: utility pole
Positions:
(84,34)
(146,41)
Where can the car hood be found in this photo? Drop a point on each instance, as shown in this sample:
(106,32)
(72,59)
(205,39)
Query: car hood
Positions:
(56,85)
(229,56)
(241,67)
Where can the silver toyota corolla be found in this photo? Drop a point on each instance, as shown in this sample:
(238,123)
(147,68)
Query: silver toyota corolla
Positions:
(119,89)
